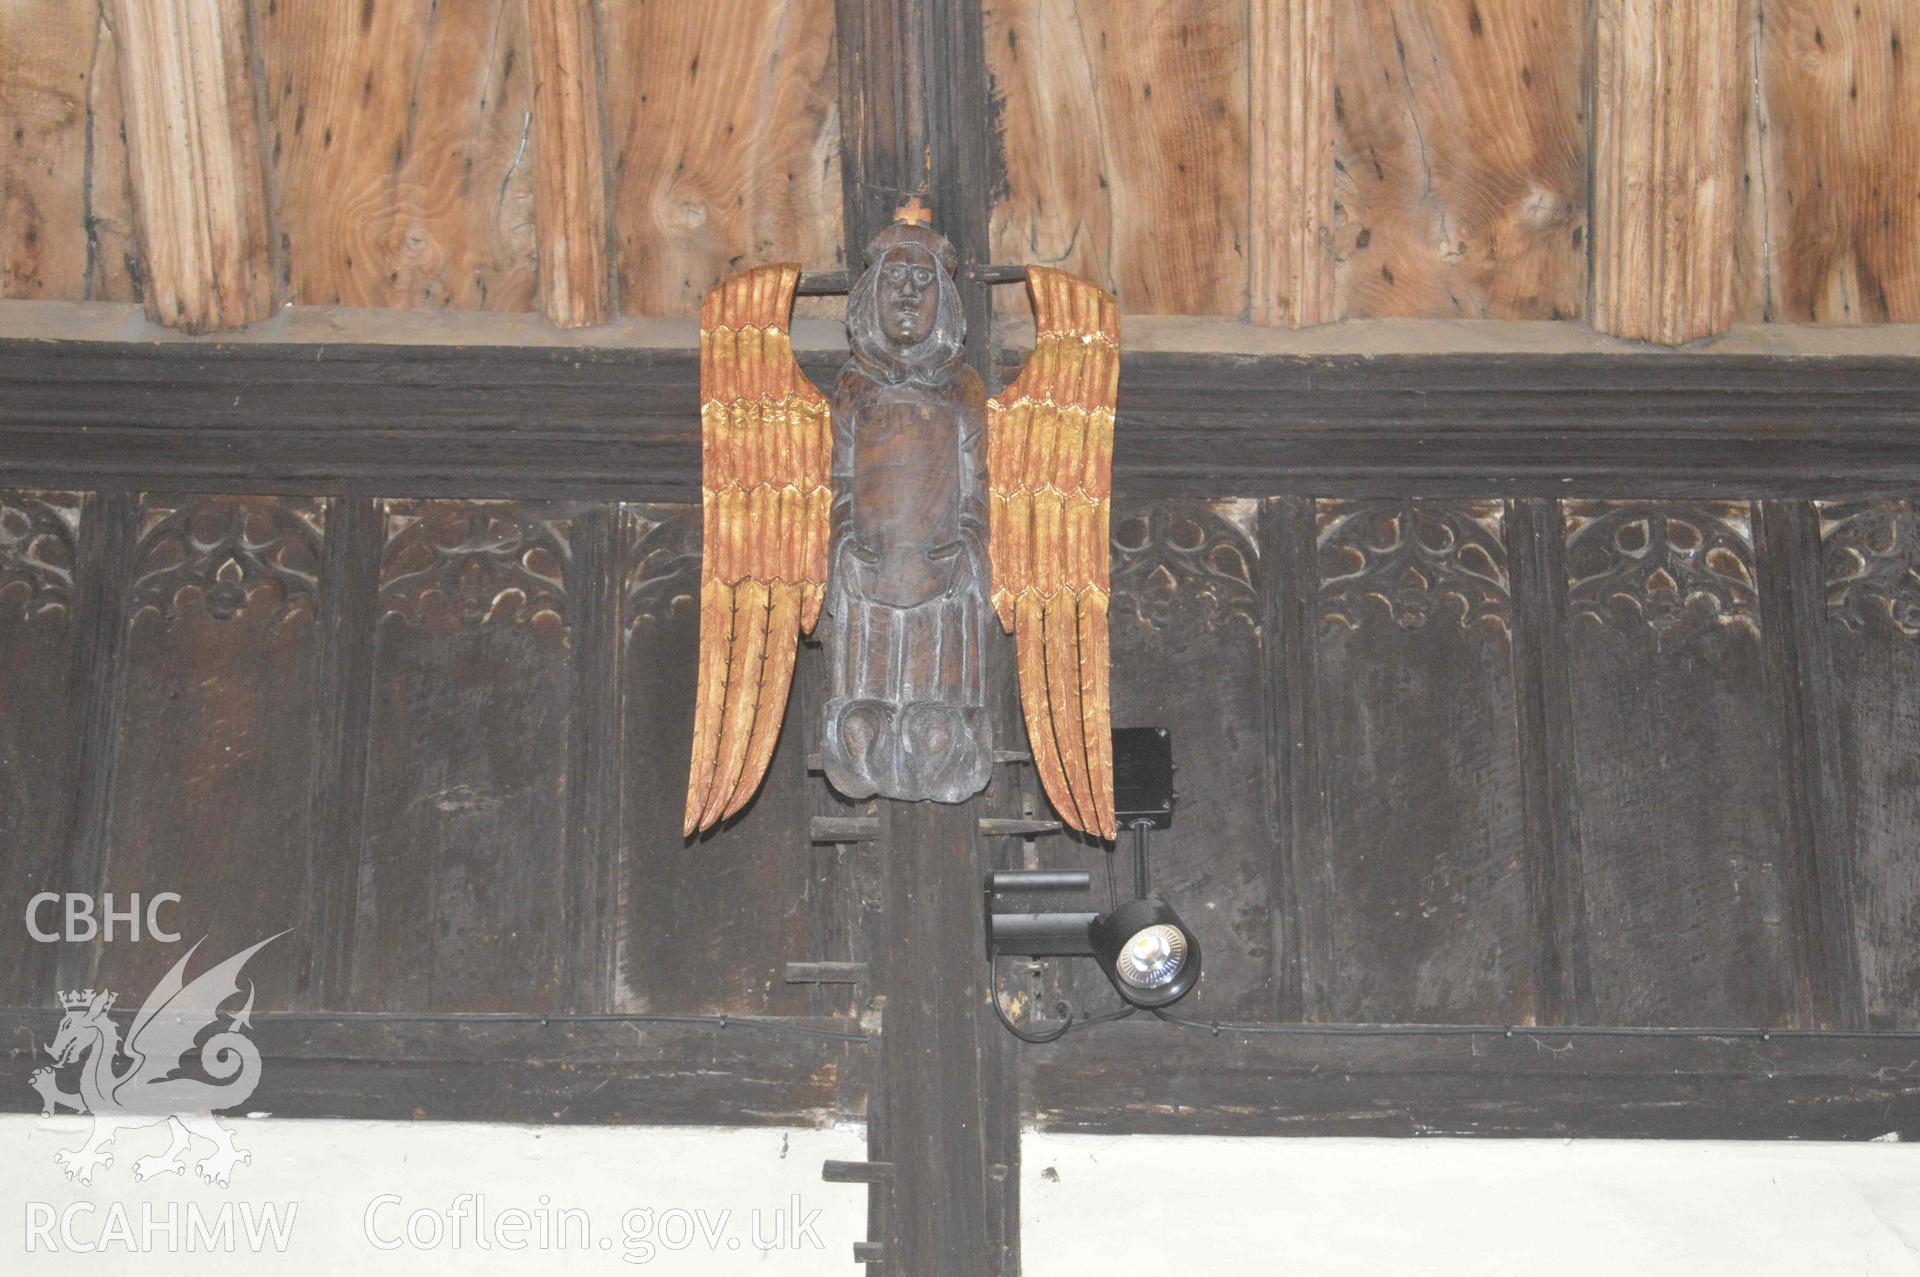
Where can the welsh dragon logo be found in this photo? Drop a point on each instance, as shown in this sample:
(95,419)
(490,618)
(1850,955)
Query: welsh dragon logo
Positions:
(146,1080)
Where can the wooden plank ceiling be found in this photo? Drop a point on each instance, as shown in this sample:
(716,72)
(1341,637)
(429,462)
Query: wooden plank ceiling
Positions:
(1656,170)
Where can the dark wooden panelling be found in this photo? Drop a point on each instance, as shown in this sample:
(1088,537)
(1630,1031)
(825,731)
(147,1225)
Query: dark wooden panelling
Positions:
(1819,861)
(1419,759)
(1145,1077)
(349,593)
(216,734)
(530,422)
(1537,553)
(602,1070)
(706,926)
(109,537)
(1683,833)
(39,720)
(1303,873)
(1187,656)
(463,872)
(1871,569)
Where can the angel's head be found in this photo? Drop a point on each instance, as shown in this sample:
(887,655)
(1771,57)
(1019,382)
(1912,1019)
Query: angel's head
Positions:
(904,319)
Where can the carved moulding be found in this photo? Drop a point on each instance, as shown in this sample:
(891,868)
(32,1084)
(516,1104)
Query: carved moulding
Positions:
(226,554)
(38,537)
(1665,562)
(1870,562)
(1413,560)
(1175,562)
(663,553)
(474,563)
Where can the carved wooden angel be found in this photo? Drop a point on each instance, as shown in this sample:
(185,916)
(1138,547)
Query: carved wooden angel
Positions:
(906,508)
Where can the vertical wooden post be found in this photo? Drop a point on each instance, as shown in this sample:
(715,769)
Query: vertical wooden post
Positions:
(914,122)
(199,171)
(934,1076)
(1291,125)
(1820,867)
(570,202)
(1666,167)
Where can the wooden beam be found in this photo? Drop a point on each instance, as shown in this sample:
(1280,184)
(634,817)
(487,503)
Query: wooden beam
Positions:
(1291,124)
(570,210)
(1136,1078)
(914,121)
(1667,112)
(640,1070)
(587,422)
(199,175)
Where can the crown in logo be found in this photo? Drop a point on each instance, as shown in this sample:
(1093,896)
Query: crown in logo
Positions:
(81,999)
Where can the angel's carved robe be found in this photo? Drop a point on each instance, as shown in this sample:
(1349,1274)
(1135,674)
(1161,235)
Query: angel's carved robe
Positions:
(906,509)
(907,596)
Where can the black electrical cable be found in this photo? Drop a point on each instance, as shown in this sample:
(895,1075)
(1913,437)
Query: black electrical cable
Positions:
(1072,1023)
(762,1023)
(1217,1027)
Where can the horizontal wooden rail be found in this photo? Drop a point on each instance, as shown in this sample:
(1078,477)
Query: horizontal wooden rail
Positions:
(644,1070)
(1534,1082)
(591,422)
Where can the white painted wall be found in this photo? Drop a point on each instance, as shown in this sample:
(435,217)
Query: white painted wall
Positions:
(1227,1208)
(331,1173)
(1380,1208)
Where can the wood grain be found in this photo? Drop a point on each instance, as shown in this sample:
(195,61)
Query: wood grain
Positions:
(524,1069)
(216,740)
(1125,137)
(399,132)
(1290,123)
(199,176)
(39,646)
(1683,833)
(1460,186)
(1873,635)
(1840,153)
(570,204)
(725,142)
(1420,765)
(1188,656)
(684,944)
(66,211)
(622,423)
(464,877)
(1669,105)
(1496,1083)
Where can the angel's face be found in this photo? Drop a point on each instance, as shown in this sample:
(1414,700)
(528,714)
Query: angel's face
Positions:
(907,296)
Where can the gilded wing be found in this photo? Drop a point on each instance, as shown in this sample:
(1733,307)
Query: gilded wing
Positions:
(1050,468)
(766,456)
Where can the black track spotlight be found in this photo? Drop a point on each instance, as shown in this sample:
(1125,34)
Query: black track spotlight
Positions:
(1150,956)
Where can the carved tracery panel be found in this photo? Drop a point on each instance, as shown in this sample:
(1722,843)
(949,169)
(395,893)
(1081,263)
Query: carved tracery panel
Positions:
(1870,562)
(473,563)
(1186,561)
(38,536)
(1665,563)
(225,554)
(1412,561)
